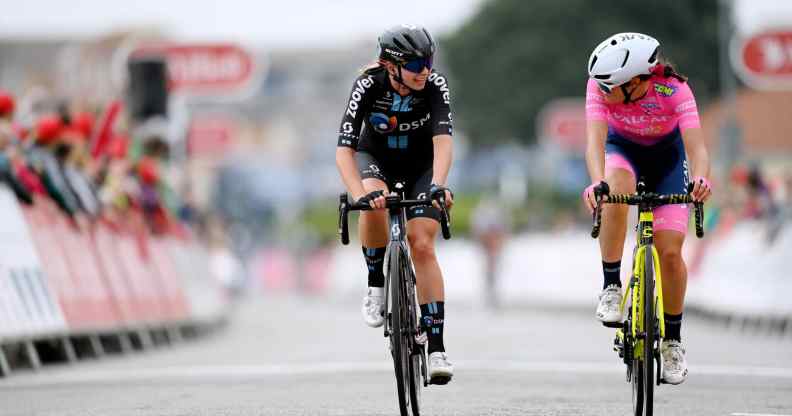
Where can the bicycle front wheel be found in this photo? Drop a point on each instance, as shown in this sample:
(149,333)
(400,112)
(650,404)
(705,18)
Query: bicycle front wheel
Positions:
(417,357)
(650,325)
(399,327)
(637,387)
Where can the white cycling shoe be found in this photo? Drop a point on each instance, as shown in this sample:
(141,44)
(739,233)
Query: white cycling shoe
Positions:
(374,307)
(675,368)
(440,369)
(609,307)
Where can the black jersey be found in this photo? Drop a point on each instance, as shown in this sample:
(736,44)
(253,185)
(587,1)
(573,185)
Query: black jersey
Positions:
(396,130)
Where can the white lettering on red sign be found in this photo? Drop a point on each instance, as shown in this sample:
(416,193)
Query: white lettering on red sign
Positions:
(765,59)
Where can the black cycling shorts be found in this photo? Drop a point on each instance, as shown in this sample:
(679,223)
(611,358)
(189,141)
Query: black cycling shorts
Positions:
(416,186)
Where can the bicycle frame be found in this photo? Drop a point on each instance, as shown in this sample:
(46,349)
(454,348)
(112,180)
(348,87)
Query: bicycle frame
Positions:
(398,232)
(637,337)
(645,239)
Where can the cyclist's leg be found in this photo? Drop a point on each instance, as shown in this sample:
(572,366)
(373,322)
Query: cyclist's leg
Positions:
(672,266)
(421,234)
(671,223)
(373,227)
(674,274)
(422,228)
(620,174)
(423,224)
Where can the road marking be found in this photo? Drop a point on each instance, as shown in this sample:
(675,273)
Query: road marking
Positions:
(88,376)
(756,414)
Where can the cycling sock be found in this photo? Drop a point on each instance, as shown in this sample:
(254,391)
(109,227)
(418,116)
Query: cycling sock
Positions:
(612,273)
(673,327)
(432,317)
(374,258)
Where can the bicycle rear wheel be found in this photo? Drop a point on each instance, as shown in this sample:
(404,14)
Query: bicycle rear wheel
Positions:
(399,323)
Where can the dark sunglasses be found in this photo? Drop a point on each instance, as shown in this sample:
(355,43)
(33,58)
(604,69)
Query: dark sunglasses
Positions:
(417,65)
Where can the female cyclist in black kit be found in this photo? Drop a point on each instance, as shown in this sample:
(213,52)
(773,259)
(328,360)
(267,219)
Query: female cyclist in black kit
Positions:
(397,127)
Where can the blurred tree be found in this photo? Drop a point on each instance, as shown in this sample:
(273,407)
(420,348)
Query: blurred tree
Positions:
(514,56)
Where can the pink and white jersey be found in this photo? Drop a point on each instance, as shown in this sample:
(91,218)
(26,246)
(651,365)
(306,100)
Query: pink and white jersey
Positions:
(668,103)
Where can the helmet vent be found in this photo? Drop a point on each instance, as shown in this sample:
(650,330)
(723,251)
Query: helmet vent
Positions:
(399,44)
(428,36)
(606,76)
(410,40)
(626,57)
(653,58)
(593,61)
(613,42)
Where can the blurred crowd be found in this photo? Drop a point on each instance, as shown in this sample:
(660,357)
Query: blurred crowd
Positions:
(754,195)
(85,162)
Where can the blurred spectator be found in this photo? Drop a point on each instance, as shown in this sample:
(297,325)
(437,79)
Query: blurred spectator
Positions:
(491,226)
(7,144)
(43,157)
(148,172)
(188,211)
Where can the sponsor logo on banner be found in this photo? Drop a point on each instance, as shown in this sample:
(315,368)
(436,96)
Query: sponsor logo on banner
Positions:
(764,60)
(29,302)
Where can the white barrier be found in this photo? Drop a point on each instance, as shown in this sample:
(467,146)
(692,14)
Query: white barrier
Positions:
(62,278)
(29,304)
(740,274)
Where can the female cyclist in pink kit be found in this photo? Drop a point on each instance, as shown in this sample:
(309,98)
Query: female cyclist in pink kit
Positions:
(642,122)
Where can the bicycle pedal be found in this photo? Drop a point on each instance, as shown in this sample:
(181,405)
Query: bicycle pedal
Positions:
(616,325)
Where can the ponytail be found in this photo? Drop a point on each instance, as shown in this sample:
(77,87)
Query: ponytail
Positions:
(373,67)
(668,71)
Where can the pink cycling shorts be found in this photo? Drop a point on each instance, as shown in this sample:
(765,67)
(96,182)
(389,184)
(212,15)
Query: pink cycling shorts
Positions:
(666,217)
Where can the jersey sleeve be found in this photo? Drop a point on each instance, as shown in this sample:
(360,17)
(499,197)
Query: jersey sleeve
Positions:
(354,112)
(440,99)
(596,109)
(685,108)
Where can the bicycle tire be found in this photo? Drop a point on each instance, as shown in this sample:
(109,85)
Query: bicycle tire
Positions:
(650,319)
(415,375)
(637,387)
(398,351)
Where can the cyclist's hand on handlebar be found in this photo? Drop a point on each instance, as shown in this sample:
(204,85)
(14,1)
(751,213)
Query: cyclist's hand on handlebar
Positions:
(375,199)
(589,194)
(435,192)
(702,189)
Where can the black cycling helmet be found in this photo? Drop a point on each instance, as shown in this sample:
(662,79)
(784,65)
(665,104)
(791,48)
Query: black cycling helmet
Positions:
(404,43)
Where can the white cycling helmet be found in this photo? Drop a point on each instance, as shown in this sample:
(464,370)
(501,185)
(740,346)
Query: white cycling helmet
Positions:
(621,57)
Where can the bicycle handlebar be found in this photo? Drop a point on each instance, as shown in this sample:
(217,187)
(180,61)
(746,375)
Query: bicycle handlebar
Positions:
(391,201)
(651,199)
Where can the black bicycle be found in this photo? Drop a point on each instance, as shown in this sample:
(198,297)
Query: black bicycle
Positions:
(639,336)
(401,306)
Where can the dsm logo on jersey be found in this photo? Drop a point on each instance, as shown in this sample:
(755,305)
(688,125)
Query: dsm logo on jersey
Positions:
(382,123)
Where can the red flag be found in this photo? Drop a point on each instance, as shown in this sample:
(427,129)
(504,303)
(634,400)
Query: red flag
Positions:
(101,140)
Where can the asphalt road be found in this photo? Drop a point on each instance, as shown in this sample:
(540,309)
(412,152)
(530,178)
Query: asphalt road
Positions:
(297,356)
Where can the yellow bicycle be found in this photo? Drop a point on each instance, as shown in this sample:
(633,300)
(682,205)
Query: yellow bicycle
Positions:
(638,338)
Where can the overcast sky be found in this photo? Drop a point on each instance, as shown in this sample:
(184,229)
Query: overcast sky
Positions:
(281,23)
(288,23)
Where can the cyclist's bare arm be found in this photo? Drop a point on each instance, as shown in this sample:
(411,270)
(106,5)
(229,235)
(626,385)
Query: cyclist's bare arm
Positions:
(345,161)
(699,159)
(596,133)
